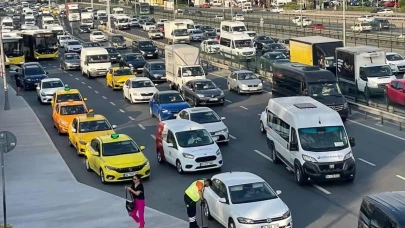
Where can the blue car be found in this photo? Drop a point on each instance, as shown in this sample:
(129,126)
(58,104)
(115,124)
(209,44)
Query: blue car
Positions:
(166,104)
(30,75)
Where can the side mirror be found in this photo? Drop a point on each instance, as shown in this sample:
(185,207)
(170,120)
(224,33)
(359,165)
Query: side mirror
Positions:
(47,72)
(142,148)
(401,90)
(222,200)
(38,88)
(170,145)
(114,126)
(278,192)
(156,84)
(73,130)
(85,99)
(364,78)
(96,153)
(223,118)
(293,146)
(352,141)
(215,137)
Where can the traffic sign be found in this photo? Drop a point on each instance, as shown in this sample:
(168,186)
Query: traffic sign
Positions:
(8,141)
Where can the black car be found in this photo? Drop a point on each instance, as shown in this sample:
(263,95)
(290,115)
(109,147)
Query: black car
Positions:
(276,47)
(203,92)
(209,35)
(380,24)
(146,47)
(84,29)
(155,71)
(30,75)
(262,40)
(114,55)
(207,28)
(70,61)
(133,60)
(117,41)
(91,44)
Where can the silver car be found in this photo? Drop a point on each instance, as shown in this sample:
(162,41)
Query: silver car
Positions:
(244,81)
(47,88)
(73,46)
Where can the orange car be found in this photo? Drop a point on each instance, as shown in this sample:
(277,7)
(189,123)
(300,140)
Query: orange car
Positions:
(63,113)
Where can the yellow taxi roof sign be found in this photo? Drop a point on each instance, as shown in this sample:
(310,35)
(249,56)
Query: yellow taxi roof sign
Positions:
(90,113)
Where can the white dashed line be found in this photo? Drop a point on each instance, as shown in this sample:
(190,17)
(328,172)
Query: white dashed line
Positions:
(70,74)
(263,155)
(131,118)
(66,72)
(95,91)
(232,137)
(322,189)
(83,83)
(105,98)
(89,87)
(367,162)
(112,103)
(141,126)
(244,107)
(153,137)
(378,130)
(228,101)
(77,79)
(400,177)
(259,114)
(121,110)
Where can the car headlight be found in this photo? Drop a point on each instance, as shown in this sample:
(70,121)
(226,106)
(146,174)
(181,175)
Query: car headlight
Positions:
(244,86)
(130,65)
(189,156)
(157,75)
(222,93)
(146,163)
(218,152)
(245,220)
(309,158)
(200,95)
(260,84)
(348,155)
(142,52)
(345,105)
(43,94)
(118,55)
(286,215)
(28,80)
(82,142)
(110,168)
(156,51)
(92,69)
(224,130)
(68,64)
(62,122)
(165,111)
(135,94)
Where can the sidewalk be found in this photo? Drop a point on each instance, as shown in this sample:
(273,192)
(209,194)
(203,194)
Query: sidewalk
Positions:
(42,192)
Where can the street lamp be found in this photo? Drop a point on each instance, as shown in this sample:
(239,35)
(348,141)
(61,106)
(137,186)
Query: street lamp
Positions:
(3,71)
(344,22)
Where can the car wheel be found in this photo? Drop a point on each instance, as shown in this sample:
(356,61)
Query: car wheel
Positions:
(195,102)
(351,179)
(160,158)
(179,168)
(238,90)
(262,129)
(69,142)
(274,157)
(229,87)
(102,178)
(150,112)
(130,99)
(86,161)
(231,224)
(207,213)
(299,177)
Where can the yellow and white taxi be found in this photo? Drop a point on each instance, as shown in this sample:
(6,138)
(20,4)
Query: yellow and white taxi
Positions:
(65,95)
(82,129)
(116,158)
(117,76)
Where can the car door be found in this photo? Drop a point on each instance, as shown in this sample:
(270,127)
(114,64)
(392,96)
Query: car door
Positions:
(170,152)
(187,90)
(155,104)
(126,88)
(230,81)
(399,94)
(73,132)
(109,77)
(146,70)
(55,114)
(97,159)
(293,153)
(234,81)
(222,209)
(211,195)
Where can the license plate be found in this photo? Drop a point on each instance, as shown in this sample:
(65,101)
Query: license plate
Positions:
(129,174)
(150,54)
(270,226)
(206,163)
(36,84)
(140,68)
(253,88)
(333,176)
(145,97)
(174,114)
(213,99)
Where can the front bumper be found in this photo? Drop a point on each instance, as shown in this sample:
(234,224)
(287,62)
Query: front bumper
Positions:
(74,51)
(285,223)
(46,99)
(98,73)
(115,176)
(81,148)
(72,67)
(62,128)
(330,171)
(223,136)
(30,85)
(182,41)
(196,38)
(99,39)
(158,79)
(157,36)
(120,46)
(210,100)
(118,85)
(123,26)
(137,69)
(140,98)
(151,55)
(191,165)
(251,90)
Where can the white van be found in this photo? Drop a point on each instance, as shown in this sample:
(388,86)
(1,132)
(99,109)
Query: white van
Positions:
(29,20)
(117,11)
(121,22)
(47,21)
(25,4)
(232,26)
(94,62)
(309,138)
(236,45)
(7,23)
(101,13)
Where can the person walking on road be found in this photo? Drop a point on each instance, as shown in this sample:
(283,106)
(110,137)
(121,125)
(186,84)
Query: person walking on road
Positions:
(138,194)
(192,195)
(17,83)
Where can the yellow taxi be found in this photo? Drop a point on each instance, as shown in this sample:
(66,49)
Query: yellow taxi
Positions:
(116,158)
(63,113)
(66,95)
(86,127)
(117,76)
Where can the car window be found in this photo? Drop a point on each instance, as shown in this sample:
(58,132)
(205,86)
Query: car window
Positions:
(73,43)
(142,84)
(252,192)
(378,218)
(33,71)
(120,148)
(94,145)
(400,86)
(71,56)
(215,186)
(51,84)
(194,138)
(123,71)
(170,98)
(97,125)
(171,138)
(72,110)
(157,66)
(394,84)
(205,117)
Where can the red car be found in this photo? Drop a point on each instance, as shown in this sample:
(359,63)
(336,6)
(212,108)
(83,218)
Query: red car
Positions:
(317,26)
(395,92)
(217,37)
(205,5)
(390,4)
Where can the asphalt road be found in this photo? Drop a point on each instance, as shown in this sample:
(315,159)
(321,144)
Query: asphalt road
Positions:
(379,153)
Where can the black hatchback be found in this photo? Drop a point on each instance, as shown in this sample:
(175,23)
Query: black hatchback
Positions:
(146,47)
(115,56)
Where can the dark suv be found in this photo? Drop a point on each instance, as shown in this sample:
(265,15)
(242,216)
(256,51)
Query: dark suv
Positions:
(117,41)
(30,75)
(380,24)
(146,47)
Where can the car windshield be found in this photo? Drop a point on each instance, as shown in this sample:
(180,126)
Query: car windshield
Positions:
(154,31)
(365,24)
(376,71)
(71,56)
(205,117)
(194,138)
(212,42)
(118,39)
(51,84)
(264,38)
(120,148)
(394,57)
(246,76)
(134,57)
(157,66)
(276,56)
(193,71)
(197,31)
(84,26)
(322,139)
(252,192)
(277,46)
(123,71)
(146,44)
(72,110)
(73,43)
(210,34)
(204,85)
(170,98)
(142,84)
(96,125)
(97,33)
(180,32)
(92,44)
(67,97)
(97,58)
(243,43)
(324,89)
(111,50)
(65,38)
(33,71)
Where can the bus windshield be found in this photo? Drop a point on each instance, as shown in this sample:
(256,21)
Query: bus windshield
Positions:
(44,43)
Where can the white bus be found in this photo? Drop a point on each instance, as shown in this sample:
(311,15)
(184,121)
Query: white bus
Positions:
(7,23)
(236,45)
(232,26)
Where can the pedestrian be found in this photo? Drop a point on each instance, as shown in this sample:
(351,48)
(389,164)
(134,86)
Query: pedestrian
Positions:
(137,191)
(192,195)
(17,83)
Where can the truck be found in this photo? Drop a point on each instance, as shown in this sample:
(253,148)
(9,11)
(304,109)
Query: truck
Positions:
(362,70)
(72,11)
(198,3)
(116,12)
(176,32)
(315,51)
(87,19)
(182,65)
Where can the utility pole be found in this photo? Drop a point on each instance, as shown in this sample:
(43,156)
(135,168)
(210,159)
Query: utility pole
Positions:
(174,9)
(108,16)
(232,10)
(92,3)
(302,22)
(344,22)
(3,72)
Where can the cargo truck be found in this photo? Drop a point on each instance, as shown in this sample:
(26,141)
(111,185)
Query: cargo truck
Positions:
(176,32)
(315,51)
(87,19)
(72,11)
(182,65)
(362,69)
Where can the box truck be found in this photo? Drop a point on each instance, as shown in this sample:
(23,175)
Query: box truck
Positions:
(87,19)
(315,51)
(72,11)
(363,68)
(176,32)
(182,65)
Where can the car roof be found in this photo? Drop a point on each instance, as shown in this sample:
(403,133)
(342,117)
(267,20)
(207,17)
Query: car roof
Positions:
(139,79)
(117,68)
(242,71)
(201,80)
(51,80)
(31,63)
(394,202)
(71,91)
(33,66)
(391,53)
(168,92)
(238,178)
(179,125)
(91,118)
(108,139)
(71,54)
(72,103)
(198,109)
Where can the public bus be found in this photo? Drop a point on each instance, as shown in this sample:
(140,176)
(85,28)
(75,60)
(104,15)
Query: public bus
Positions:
(142,8)
(40,44)
(13,49)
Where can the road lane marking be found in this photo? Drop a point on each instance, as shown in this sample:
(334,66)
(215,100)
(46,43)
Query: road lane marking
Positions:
(367,162)
(112,103)
(259,114)
(105,98)
(228,101)
(141,126)
(121,110)
(322,189)
(263,155)
(89,87)
(232,137)
(77,79)
(83,83)
(244,107)
(400,177)
(53,65)
(70,74)
(153,137)
(95,91)
(131,118)
(375,129)
(65,72)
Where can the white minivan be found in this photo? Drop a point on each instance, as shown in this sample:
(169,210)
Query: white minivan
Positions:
(237,45)
(309,138)
(94,62)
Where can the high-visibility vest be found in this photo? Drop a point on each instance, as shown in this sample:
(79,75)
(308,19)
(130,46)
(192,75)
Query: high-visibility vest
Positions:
(192,191)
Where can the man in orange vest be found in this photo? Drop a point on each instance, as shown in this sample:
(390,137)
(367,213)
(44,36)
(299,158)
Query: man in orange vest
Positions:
(192,195)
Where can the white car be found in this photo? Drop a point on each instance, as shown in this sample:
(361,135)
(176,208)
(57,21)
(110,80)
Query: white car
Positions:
(362,27)
(245,200)
(148,26)
(304,23)
(396,62)
(155,34)
(210,46)
(195,34)
(139,90)
(385,11)
(62,40)
(238,17)
(47,88)
(218,17)
(97,36)
(277,10)
(72,46)
(134,22)
(298,10)
(365,18)
(209,120)
(298,18)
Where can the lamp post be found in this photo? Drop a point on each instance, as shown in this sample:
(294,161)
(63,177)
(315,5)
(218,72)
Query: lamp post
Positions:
(302,22)
(174,9)
(3,72)
(232,10)
(108,16)
(344,22)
